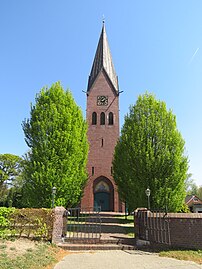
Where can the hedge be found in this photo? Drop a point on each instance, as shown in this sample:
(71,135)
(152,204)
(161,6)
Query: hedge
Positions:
(27,222)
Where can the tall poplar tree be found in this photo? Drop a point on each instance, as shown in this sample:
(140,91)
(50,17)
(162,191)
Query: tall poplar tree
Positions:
(150,153)
(56,136)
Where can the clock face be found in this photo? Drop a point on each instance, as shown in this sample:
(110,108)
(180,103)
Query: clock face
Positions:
(102,100)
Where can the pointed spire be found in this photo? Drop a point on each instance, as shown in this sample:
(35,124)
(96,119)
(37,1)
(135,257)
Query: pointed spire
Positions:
(103,60)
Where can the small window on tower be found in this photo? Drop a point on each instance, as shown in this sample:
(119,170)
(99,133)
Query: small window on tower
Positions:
(94,118)
(111,118)
(102,118)
(93,170)
(102,143)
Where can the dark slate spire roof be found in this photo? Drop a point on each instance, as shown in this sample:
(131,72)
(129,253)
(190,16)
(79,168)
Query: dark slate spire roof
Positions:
(103,60)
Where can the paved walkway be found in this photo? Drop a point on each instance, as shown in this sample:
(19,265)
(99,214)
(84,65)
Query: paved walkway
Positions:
(117,259)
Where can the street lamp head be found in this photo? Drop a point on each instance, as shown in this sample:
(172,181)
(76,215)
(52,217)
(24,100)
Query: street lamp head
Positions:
(54,190)
(148,192)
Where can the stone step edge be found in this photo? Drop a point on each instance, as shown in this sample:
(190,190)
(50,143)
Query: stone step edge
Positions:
(95,247)
(101,241)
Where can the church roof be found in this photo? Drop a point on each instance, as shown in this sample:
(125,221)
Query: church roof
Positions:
(103,60)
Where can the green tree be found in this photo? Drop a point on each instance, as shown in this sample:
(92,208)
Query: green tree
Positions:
(199,192)
(10,167)
(10,170)
(191,187)
(56,135)
(150,153)
(15,193)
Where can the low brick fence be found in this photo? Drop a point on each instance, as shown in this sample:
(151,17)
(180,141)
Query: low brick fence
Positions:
(177,230)
(186,230)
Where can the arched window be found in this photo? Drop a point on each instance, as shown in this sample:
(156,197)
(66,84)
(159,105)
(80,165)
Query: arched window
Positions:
(94,118)
(102,118)
(111,118)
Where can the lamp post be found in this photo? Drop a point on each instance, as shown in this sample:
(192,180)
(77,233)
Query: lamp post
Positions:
(148,192)
(53,196)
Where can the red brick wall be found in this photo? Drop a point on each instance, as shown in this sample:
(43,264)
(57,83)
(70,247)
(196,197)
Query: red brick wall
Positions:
(101,157)
(185,229)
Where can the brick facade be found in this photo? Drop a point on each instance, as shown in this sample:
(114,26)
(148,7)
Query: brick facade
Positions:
(102,141)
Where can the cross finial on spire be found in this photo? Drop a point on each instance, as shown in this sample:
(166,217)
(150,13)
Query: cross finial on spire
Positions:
(103,19)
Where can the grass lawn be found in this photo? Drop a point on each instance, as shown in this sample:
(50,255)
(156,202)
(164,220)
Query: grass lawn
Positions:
(129,219)
(128,224)
(26,254)
(188,255)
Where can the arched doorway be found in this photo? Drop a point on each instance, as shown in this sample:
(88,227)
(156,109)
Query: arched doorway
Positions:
(103,194)
(101,199)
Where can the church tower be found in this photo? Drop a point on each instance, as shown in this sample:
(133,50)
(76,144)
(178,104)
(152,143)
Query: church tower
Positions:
(103,130)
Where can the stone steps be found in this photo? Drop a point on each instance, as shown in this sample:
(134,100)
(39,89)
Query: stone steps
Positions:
(112,236)
(79,247)
(102,244)
(114,241)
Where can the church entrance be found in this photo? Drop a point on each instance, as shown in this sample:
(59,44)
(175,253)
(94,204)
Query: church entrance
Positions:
(103,194)
(101,199)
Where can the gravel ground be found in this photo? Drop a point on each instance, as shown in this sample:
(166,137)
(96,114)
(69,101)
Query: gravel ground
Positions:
(117,259)
(16,247)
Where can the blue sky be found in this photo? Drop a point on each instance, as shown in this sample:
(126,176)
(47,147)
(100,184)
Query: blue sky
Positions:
(156,46)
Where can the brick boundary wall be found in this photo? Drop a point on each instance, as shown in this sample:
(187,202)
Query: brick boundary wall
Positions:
(185,229)
(59,224)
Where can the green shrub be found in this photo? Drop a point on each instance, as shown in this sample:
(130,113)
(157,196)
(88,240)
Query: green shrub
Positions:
(5,221)
(5,213)
(184,209)
(26,222)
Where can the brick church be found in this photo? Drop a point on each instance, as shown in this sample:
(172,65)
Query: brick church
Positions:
(102,115)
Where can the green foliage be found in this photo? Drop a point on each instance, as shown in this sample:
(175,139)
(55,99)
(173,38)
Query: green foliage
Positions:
(10,167)
(26,222)
(150,153)
(42,231)
(187,255)
(199,192)
(10,171)
(4,191)
(56,135)
(184,209)
(5,220)
(191,187)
